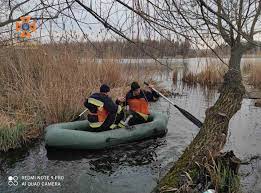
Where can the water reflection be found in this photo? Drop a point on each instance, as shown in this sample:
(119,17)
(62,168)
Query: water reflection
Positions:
(138,155)
(10,158)
(109,160)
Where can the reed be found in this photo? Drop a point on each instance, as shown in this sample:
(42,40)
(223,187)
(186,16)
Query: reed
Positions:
(223,178)
(46,85)
(175,75)
(12,134)
(210,75)
(255,75)
(190,78)
(246,68)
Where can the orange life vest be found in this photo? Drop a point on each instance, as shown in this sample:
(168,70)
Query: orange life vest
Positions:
(139,105)
(102,114)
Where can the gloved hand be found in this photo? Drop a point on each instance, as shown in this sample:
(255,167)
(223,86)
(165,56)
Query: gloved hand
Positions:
(151,86)
(121,99)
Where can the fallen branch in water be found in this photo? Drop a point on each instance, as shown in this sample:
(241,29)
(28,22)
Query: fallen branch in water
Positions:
(256,157)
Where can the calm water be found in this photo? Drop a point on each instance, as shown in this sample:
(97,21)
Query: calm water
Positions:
(137,167)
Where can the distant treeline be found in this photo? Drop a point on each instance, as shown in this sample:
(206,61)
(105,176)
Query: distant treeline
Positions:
(225,50)
(159,49)
(125,49)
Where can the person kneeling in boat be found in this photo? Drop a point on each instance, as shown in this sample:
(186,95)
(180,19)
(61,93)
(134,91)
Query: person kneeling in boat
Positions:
(103,114)
(137,100)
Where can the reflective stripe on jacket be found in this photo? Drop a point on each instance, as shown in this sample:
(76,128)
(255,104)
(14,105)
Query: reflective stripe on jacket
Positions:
(102,113)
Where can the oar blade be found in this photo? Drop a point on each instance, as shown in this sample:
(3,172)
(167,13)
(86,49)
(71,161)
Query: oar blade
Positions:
(189,116)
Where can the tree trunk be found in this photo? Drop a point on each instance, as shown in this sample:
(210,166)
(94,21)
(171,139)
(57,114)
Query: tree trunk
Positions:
(212,136)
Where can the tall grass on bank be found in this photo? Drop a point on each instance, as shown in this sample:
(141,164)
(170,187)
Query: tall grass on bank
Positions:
(255,75)
(211,75)
(223,177)
(40,87)
(11,134)
(175,75)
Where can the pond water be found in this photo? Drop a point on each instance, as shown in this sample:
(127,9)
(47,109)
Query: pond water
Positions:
(136,167)
(195,64)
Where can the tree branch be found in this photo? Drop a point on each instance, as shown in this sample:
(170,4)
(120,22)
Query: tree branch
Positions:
(109,26)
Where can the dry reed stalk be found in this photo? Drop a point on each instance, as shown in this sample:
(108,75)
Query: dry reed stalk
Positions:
(211,75)
(255,75)
(189,78)
(175,76)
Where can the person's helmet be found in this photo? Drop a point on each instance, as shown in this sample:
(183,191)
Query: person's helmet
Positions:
(134,86)
(104,88)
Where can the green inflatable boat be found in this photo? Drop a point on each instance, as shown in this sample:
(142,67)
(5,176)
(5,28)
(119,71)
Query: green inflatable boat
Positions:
(74,135)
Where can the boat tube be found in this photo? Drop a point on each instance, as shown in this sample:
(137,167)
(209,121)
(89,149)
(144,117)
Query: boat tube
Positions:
(75,135)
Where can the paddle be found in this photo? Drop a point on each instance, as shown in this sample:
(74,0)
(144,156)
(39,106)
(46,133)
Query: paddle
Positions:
(77,118)
(127,121)
(184,112)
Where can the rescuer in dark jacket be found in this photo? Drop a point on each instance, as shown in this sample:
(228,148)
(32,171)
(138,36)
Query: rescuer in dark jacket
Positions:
(103,114)
(137,100)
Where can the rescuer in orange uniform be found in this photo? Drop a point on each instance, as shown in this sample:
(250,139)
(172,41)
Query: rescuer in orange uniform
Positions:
(137,100)
(103,114)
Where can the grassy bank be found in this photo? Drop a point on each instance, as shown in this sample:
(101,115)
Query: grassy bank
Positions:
(212,75)
(46,85)
(12,134)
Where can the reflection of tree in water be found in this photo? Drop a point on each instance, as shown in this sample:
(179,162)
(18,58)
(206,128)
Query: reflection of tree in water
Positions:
(107,161)
(9,159)
(136,154)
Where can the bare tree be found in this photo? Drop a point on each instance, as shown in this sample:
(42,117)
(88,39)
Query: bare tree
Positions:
(43,10)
